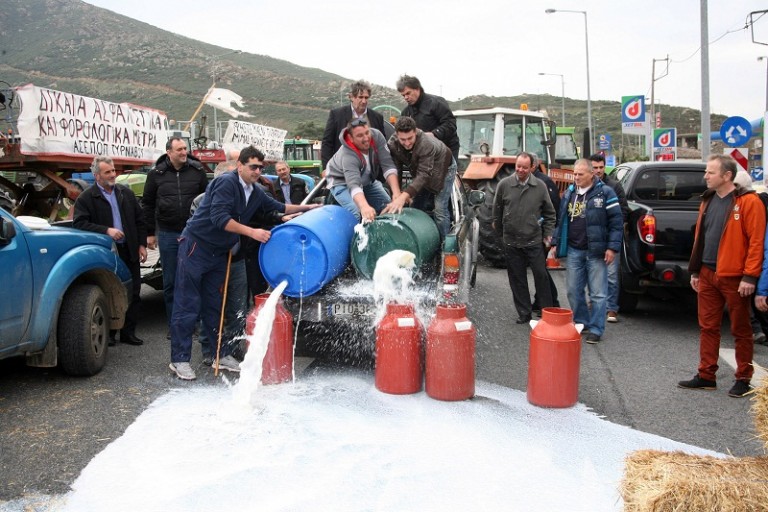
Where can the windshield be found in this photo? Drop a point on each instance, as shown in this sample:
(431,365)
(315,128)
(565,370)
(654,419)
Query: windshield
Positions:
(476,130)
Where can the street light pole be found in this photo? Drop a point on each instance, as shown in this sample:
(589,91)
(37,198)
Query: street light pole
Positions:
(562,91)
(766,79)
(589,95)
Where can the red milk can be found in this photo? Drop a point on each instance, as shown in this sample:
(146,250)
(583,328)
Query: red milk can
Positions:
(450,354)
(277,366)
(553,360)
(398,351)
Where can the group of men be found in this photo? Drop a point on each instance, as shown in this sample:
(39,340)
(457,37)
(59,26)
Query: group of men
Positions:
(585,225)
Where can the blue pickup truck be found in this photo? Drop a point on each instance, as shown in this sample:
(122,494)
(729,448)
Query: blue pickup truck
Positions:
(62,291)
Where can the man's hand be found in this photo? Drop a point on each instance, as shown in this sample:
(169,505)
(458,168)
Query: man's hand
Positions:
(761,303)
(115,234)
(746,289)
(397,204)
(367,213)
(286,218)
(152,242)
(142,254)
(260,235)
(695,283)
(610,254)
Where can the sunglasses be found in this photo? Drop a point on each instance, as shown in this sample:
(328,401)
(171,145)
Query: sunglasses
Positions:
(255,167)
(358,122)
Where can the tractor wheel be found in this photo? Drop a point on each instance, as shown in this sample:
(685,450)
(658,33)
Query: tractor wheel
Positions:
(491,246)
(83,330)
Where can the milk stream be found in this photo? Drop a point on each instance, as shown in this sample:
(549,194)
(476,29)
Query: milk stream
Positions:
(244,391)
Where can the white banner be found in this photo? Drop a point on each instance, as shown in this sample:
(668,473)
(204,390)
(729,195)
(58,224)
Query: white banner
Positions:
(59,123)
(269,140)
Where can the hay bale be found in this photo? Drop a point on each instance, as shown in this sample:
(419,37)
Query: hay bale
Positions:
(656,481)
(759,410)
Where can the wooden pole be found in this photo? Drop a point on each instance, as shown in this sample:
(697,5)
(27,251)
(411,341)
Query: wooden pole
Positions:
(221,319)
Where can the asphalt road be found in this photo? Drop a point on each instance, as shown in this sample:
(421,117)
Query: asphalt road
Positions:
(52,425)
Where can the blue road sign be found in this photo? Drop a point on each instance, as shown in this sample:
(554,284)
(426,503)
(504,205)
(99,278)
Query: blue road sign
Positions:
(736,131)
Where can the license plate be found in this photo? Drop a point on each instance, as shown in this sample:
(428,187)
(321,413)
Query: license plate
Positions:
(351,309)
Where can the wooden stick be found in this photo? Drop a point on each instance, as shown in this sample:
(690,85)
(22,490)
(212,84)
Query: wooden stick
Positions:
(221,319)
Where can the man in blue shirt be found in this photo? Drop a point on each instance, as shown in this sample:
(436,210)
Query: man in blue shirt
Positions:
(230,202)
(289,189)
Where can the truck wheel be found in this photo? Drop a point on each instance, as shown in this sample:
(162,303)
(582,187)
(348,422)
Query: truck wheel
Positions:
(83,330)
(491,246)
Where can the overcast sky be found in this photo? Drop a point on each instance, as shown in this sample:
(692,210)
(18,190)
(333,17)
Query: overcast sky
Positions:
(495,47)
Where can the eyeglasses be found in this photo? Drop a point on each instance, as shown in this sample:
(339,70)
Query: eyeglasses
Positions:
(360,121)
(255,167)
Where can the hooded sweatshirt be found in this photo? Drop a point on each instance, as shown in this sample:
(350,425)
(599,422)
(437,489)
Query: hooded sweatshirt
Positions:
(349,167)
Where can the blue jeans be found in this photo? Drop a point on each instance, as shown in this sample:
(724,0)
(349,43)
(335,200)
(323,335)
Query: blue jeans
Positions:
(168,245)
(583,271)
(612,300)
(234,311)
(199,281)
(442,209)
(375,194)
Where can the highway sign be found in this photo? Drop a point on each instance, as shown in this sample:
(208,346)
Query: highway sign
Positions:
(736,131)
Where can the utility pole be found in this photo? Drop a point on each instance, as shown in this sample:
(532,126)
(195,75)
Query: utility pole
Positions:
(705,117)
(652,123)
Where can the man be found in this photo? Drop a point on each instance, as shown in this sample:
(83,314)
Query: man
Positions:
(725,264)
(353,171)
(175,180)
(589,234)
(359,95)
(229,203)
(289,190)
(430,112)
(432,169)
(112,209)
(612,300)
(524,217)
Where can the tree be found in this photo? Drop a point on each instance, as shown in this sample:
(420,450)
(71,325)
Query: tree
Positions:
(308,130)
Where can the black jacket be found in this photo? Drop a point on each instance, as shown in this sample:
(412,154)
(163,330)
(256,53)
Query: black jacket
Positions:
(338,119)
(620,193)
(168,193)
(298,190)
(93,213)
(432,114)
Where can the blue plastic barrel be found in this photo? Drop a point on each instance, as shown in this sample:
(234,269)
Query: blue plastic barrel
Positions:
(308,251)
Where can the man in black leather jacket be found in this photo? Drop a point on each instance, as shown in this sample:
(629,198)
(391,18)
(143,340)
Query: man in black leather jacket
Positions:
(175,180)
(431,113)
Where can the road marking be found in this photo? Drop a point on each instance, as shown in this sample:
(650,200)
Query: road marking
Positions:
(729,356)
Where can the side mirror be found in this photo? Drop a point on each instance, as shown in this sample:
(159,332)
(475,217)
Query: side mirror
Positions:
(7,231)
(476,197)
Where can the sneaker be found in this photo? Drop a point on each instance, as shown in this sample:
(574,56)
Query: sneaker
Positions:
(740,388)
(759,337)
(697,383)
(208,360)
(592,338)
(612,317)
(183,371)
(227,363)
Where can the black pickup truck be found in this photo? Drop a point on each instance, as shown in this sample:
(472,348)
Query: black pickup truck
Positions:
(663,199)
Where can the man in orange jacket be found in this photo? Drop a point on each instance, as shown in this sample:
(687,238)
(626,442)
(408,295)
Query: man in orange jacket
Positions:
(725,265)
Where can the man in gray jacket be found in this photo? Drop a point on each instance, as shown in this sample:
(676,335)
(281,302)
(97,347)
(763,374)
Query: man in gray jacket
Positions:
(352,171)
(432,168)
(524,217)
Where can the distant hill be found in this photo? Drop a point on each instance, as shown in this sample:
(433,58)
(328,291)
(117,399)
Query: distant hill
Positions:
(76,47)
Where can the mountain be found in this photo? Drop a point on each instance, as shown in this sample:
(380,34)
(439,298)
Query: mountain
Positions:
(76,47)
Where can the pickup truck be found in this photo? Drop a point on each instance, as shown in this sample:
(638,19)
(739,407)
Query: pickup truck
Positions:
(663,200)
(339,320)
(63,290)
